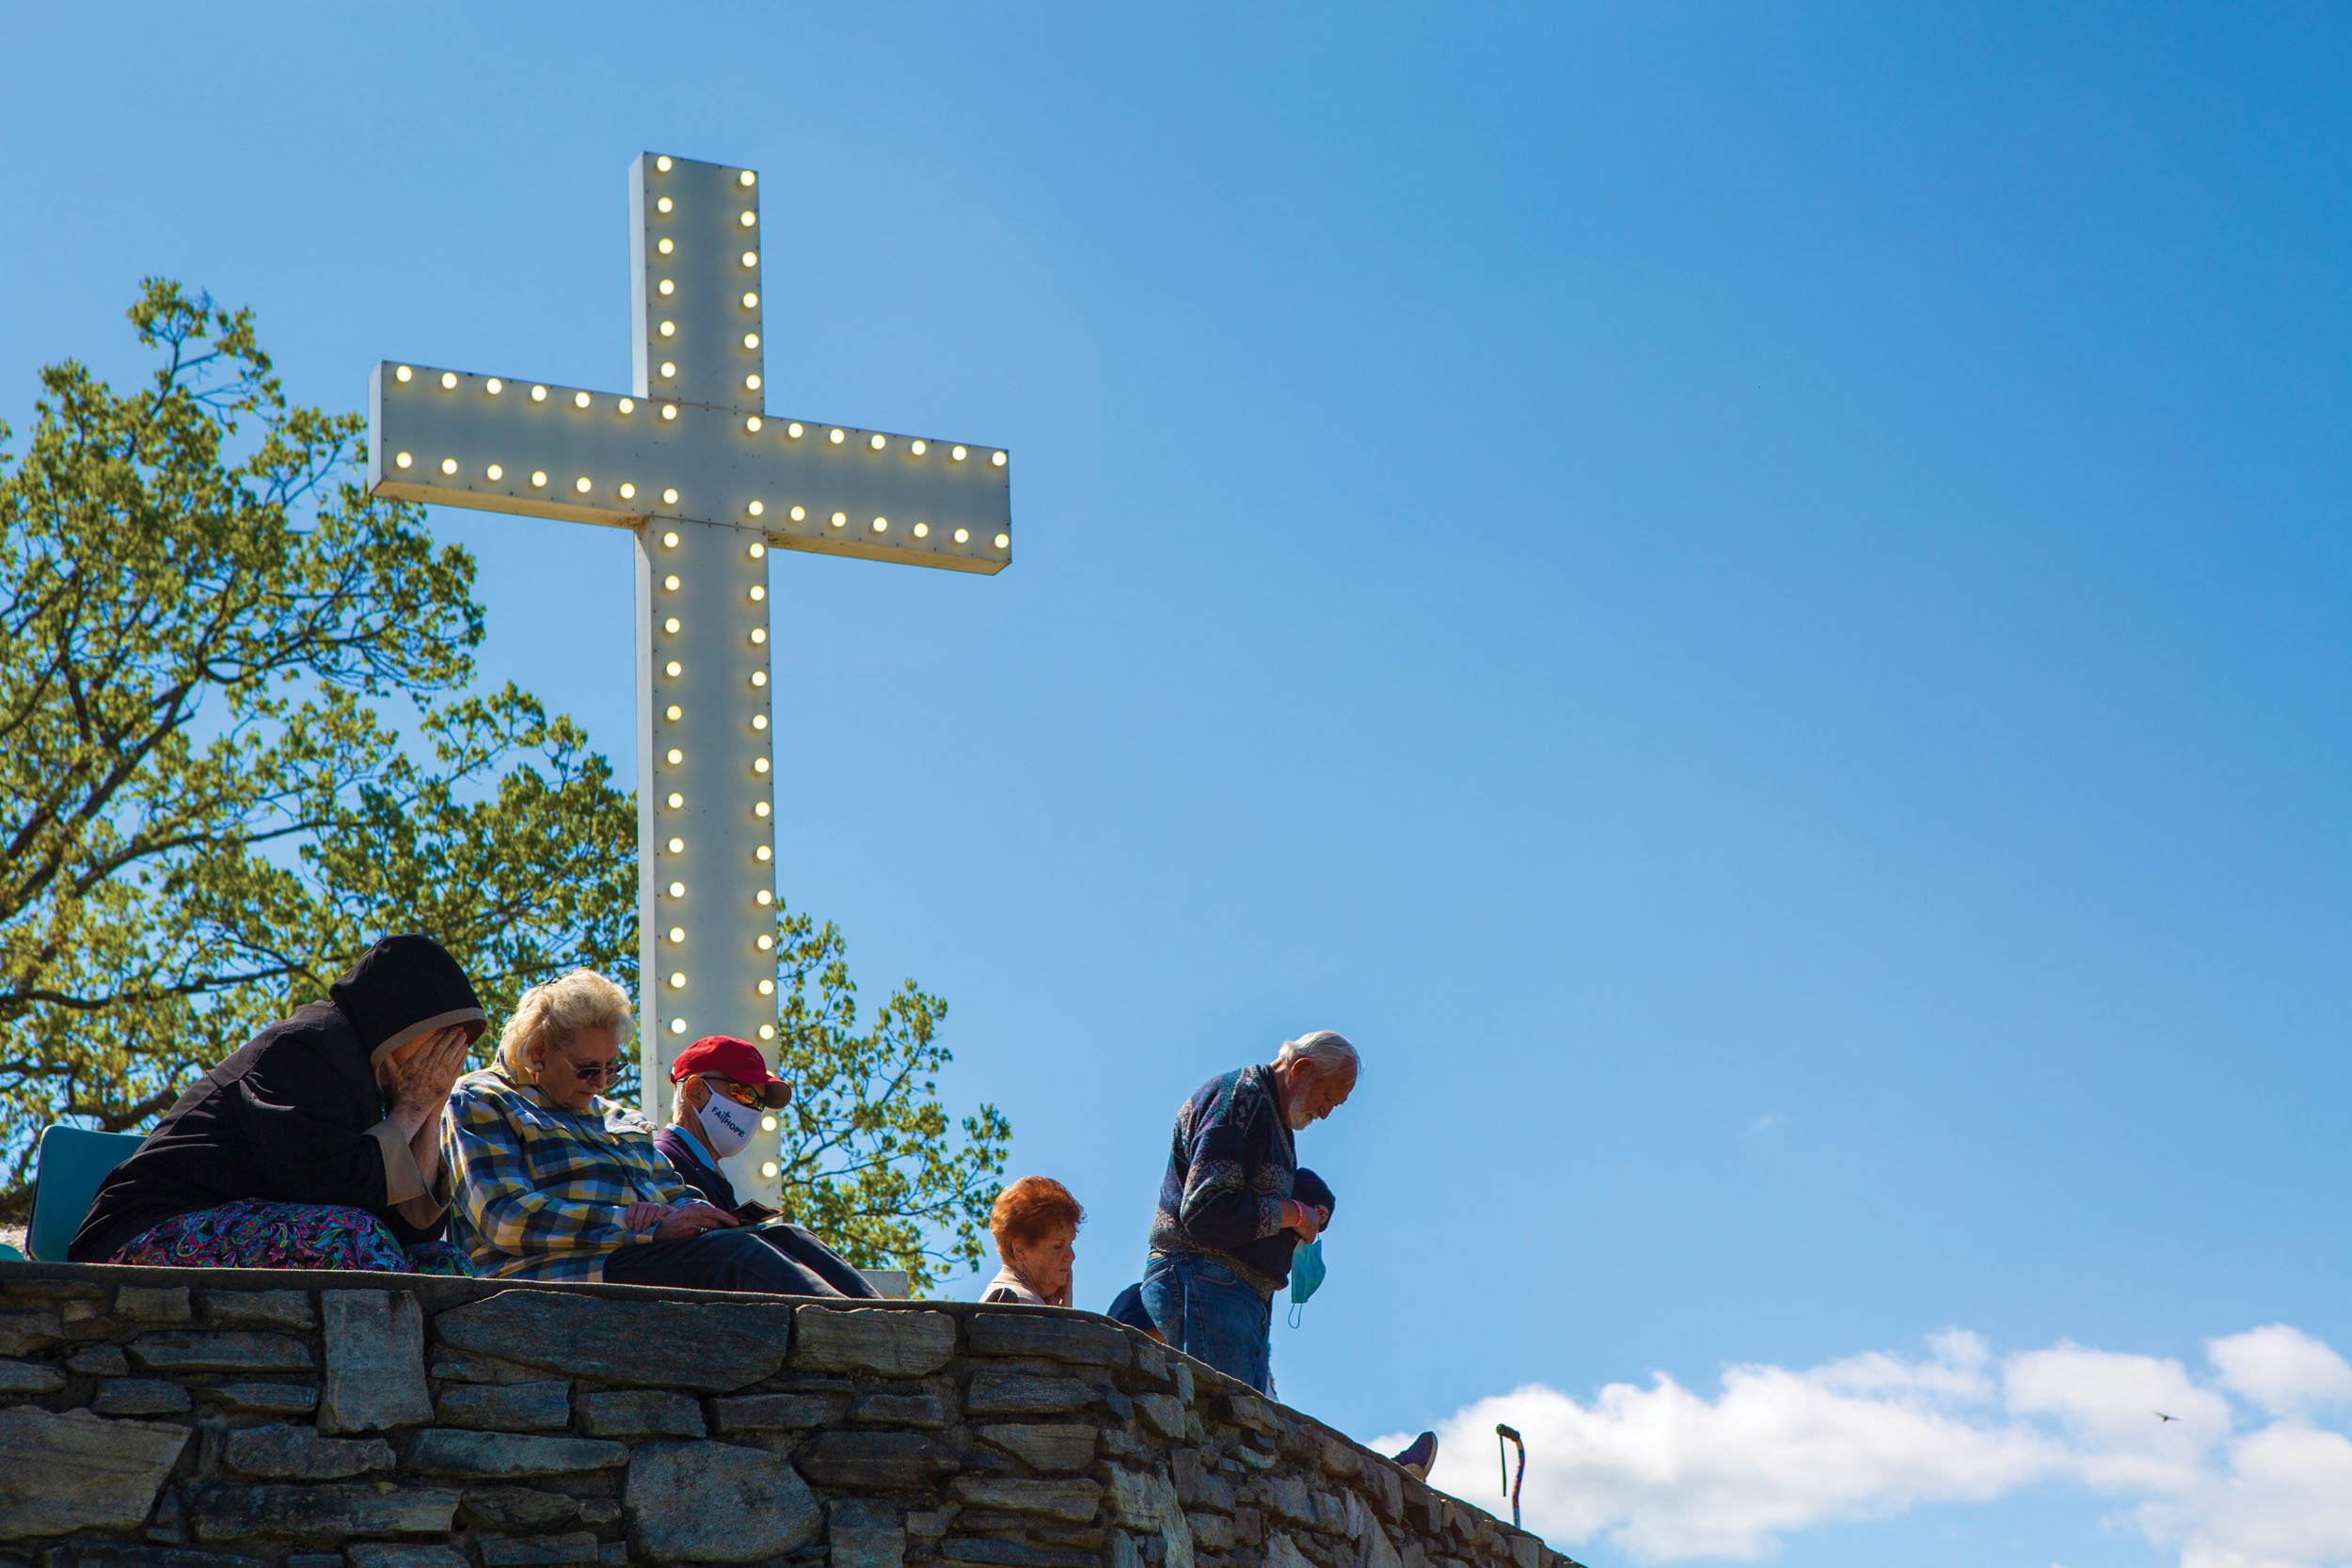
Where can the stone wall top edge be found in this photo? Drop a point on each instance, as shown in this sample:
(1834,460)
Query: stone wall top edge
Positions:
(441,1291)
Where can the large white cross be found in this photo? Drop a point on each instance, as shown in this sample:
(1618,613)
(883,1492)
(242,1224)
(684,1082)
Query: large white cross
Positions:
(692,464)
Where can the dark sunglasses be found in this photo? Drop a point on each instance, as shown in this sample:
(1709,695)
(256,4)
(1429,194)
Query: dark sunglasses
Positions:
(602,1072)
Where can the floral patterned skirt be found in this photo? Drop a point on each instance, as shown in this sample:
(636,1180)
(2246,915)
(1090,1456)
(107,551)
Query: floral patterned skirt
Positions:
(253,1234)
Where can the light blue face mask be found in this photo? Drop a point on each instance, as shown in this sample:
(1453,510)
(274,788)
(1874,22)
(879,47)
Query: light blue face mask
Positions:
(1307,1272)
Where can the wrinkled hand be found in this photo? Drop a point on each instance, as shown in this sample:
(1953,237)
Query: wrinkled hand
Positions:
(644,1216)
(1308,1222)
(423,1081)
(692,1219)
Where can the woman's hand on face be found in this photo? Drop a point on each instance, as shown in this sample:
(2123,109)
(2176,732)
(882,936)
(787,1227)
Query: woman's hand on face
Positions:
(692,1219)
(423,1081)
(644,1216)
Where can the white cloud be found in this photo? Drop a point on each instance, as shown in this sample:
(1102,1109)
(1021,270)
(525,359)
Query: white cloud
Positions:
(1765,1123)
(1659,1472)
(2282,1369)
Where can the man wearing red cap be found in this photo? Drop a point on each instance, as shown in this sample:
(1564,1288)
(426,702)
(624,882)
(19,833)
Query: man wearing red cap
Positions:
(724,1087)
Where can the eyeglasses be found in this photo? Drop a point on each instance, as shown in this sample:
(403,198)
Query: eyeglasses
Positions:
(607,1072)
(742,1094)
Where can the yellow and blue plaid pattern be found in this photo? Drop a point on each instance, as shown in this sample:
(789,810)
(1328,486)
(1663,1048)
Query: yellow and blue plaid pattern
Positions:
(540,1189)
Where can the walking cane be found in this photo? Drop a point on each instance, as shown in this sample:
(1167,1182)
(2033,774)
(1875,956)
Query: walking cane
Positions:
(1511,1482)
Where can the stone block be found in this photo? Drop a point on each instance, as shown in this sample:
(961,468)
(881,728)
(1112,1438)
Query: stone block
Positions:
(872,1339)
(1147,1499)
(139,1396)
(1074,1501)
(1286,1496)
(1152,1359)
(449,1451)
(1282,1552)
(925,1409)
(1378,1550)
(1527,1551)
(298,1454)
(263,1399)
(999,1552)
(256,1309)
(1182,1368)
(448,1365)
(99,1361)
(374,1361)
(136,1553)
(376,1554)
(1025,1394)
(1249,1410)
(29,1377)
(516,1507)
(1064,1446)
(717,1502)
(545,1406)
(322,1514)
(1211,1531)
(773,1412)
(709,1347)
(314,1559)
(507,1551)
(864,1535)
(152,1304)
(638,1413)
(1048,1335)
(875,1461)
(1199,1487)
(21,1333)
(1163,1413)
(231,1350)
(80,1472)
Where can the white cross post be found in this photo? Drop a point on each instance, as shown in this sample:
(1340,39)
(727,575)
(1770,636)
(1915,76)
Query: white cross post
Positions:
(693,465)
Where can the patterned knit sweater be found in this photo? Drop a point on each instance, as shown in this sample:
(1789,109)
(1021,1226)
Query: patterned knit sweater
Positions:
(1230,1166)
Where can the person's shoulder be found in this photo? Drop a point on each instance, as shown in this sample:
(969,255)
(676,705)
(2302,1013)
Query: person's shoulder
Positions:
(486,1091)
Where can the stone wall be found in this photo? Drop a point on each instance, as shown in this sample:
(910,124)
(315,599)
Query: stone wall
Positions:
(159,1419)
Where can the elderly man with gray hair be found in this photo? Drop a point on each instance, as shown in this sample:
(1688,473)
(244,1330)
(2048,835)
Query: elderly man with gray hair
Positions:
(1235,1204)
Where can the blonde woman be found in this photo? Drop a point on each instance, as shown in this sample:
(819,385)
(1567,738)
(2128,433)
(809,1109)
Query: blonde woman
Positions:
(555,1181)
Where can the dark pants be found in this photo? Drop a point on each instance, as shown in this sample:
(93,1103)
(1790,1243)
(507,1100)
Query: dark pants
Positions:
(793,1263)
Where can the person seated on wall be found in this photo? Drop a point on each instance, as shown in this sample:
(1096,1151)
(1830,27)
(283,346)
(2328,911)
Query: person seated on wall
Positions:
(724,1087)
(315,1146)
(1127,1307)
(1035,1223)
(555,1181)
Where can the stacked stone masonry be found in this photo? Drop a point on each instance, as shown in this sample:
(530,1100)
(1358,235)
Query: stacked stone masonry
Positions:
(160,1418)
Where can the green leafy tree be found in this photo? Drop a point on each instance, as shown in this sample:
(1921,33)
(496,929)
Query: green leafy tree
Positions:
(237,745)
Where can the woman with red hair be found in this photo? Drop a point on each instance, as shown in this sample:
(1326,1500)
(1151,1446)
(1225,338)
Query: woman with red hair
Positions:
(1035,1223)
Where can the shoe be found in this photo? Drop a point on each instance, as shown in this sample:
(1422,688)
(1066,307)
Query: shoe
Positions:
(1422,1454)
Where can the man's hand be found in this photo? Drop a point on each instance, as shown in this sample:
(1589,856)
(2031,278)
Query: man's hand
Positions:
(693,1219)
(1306,1222)
(644,1216)
(422,1083)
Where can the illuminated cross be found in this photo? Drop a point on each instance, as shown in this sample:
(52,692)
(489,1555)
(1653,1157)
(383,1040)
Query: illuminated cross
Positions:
(693,465)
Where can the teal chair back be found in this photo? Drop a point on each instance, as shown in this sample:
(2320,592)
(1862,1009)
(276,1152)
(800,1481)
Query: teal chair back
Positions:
(72,1161)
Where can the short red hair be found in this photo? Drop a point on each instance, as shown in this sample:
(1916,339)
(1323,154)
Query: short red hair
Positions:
(1029,1209)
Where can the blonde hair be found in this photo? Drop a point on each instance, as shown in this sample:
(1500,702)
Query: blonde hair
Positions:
(551,1012)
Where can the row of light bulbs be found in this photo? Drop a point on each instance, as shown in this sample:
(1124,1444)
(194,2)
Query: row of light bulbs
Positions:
(763,854)
(753,424)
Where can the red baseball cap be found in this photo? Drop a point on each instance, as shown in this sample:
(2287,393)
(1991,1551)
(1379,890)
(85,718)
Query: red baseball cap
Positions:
(724,1056)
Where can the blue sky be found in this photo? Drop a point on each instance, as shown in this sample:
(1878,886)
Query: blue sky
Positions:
(1752,599)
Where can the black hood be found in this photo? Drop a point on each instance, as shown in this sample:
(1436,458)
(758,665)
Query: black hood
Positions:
(403,987)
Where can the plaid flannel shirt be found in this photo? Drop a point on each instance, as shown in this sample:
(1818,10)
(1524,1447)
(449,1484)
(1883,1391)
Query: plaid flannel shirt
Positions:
(540,1189)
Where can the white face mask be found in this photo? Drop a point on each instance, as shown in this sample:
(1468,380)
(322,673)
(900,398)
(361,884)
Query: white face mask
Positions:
(726,1126)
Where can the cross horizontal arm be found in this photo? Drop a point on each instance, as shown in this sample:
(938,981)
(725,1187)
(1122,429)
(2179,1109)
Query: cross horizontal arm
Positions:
(452,438)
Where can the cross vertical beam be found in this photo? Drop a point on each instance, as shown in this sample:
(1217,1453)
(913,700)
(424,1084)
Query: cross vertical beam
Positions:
(707,483)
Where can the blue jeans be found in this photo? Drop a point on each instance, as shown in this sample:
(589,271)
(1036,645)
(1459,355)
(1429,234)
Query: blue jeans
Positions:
(1205,1310)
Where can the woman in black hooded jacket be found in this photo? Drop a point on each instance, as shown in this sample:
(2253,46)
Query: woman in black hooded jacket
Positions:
(317,1146)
